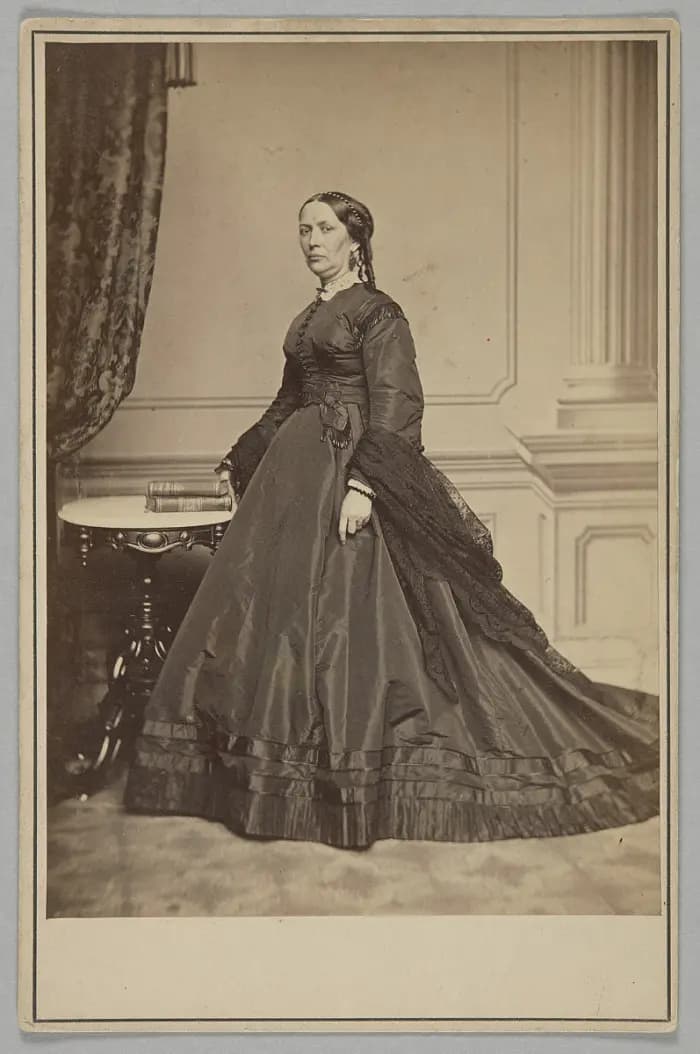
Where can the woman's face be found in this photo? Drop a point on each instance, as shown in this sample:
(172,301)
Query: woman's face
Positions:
(325,241)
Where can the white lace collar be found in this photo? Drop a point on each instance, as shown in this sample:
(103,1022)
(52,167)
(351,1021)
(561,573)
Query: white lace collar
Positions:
(344,281)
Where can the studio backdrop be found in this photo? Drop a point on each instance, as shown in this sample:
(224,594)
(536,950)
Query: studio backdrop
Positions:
(515,224)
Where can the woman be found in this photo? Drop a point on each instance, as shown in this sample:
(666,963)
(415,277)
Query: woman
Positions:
(352,667)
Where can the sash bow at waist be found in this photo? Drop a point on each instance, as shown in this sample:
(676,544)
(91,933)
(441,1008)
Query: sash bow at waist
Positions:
(332,397)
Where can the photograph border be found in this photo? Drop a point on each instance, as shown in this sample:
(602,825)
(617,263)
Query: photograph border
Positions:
(36,32)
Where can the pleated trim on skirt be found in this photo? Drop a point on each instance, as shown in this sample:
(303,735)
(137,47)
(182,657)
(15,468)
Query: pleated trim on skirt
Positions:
(270,790)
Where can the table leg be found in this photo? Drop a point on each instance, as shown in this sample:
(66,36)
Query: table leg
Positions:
(148,635)
(85,545)
(133,672)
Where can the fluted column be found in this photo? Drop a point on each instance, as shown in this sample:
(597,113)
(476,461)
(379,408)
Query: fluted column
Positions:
(610,379)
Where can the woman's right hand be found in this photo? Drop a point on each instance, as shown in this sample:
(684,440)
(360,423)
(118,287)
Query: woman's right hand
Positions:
(355,513)
(225,474)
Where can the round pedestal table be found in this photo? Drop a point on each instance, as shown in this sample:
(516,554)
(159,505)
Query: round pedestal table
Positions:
(122,523)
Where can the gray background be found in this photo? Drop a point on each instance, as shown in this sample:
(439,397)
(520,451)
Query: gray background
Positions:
(687,1037)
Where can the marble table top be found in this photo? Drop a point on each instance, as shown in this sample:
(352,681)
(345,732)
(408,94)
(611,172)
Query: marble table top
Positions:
(129,512)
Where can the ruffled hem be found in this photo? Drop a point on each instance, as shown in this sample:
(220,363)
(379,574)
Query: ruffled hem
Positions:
(486,799)
(358,826)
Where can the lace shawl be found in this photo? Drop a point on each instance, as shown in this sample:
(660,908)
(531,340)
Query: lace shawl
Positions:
(431,533)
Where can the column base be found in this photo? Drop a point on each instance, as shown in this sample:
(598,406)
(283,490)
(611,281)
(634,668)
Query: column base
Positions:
(609,398)
(611,416)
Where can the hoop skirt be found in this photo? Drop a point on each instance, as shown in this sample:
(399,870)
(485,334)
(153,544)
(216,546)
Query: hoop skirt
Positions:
(302,697)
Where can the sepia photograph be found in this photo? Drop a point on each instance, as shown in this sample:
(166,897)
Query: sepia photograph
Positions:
(351,405)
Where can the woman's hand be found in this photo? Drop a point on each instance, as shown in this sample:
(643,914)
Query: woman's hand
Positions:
(225,473)
(354,514)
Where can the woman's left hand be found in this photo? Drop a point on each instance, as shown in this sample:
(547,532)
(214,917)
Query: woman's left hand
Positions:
(354,514)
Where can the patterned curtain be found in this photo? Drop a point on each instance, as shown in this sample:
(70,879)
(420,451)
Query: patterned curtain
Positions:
(106,122)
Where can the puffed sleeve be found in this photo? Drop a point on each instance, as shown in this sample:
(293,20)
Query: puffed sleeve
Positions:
(245,454)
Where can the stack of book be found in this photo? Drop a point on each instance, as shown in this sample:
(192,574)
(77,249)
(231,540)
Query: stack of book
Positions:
(169,495)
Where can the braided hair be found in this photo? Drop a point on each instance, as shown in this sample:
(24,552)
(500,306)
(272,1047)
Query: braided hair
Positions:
(360,226)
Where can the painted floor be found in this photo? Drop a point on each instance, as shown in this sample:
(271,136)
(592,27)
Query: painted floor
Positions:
(104,862)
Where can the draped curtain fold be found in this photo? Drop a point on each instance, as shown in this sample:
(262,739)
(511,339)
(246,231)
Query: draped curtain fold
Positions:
(106,125)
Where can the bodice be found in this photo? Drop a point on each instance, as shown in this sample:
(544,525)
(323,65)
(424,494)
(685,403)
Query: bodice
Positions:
(324,348)
(324,342)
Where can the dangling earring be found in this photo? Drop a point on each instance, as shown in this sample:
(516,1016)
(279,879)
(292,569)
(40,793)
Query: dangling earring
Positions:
(353,260)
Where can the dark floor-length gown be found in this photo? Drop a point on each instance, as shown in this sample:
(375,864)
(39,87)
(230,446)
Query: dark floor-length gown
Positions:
(390,687)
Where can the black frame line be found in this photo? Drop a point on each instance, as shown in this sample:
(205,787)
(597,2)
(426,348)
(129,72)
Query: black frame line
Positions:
(647,33)
(35,670)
